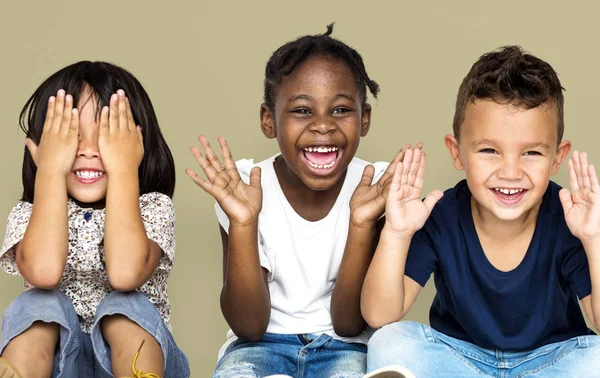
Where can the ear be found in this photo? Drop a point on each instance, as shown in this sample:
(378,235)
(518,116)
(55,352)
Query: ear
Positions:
(267,123)
(454,149)
(365,120)
(561,154)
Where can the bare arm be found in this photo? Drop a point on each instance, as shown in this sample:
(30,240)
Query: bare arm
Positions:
(42,254)
(245,299)
(591,303)
(131,258)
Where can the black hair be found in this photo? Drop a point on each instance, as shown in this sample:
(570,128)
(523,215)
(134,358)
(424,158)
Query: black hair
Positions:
(157,169)
(286,58)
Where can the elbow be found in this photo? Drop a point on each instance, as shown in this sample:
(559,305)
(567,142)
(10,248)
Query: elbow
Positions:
(250,334)
(378,319)
(348,330)
(43,276)
(124,281)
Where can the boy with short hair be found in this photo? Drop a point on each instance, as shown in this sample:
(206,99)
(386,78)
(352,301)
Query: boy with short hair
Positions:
(511,251)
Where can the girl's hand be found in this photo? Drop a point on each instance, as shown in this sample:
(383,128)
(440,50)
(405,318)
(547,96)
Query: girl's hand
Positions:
(405,212)
(120,140)
(58,144)
(368,201)
(582,204)
(241,202)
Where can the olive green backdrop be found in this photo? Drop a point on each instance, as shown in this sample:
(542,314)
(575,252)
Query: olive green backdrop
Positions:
(202,63)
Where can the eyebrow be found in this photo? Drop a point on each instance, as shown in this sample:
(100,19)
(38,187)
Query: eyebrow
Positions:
(527,146)
(308,98)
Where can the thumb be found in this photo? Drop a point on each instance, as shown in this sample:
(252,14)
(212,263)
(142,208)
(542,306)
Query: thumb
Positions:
(367,176)
(32,147)
(255,177)
(565,199)
(432,198)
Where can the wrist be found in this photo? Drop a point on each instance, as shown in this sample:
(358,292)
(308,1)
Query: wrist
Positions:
(398,235)
(592,243)
(244,225)
(362,223)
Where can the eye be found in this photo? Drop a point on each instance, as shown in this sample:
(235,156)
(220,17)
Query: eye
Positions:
(532,153)
(488,151)
(302,111)
(341,110)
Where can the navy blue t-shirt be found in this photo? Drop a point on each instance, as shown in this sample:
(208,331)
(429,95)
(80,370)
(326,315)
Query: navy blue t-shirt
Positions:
(530,306)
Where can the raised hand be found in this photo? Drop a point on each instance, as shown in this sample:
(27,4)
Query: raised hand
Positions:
(405,212)
(582,204)
(58,143)
(241,202)
(368,201)
(120,141)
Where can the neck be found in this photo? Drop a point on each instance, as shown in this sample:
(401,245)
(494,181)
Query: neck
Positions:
(490,226)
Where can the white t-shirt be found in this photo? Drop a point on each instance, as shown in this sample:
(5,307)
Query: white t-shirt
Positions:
(302,257)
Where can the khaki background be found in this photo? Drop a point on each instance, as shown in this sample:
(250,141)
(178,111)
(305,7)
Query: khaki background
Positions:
(202,63)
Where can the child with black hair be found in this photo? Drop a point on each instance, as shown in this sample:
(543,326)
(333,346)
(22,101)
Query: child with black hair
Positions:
(94,235)
(298,228)
(515,257)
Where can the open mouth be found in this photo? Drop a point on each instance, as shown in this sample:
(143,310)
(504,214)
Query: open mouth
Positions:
(321,158)
(88,176)
(509,196)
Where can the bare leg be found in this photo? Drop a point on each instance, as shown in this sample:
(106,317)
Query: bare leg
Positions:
(32,352)
(124,338)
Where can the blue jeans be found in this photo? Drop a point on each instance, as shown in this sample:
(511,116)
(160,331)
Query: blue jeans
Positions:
(300,356)
(79,354)
(428,353)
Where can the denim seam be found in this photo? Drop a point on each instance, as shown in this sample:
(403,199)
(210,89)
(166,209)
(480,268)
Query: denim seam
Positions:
(551,363)
(429,336)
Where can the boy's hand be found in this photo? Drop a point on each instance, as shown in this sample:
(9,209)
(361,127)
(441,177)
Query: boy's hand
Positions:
(405,212)
(241,202)
(120,141)
(58,144)
(368,201)
(582,204)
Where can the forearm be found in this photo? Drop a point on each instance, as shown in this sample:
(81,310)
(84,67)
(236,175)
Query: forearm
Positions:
(42,254)
(126,245)
(245,299)
(345,300)
(383,293)
(592,250)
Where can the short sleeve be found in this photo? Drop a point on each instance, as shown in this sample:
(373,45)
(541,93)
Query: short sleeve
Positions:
(244,167)
(575,269)
(158,215)
(421,261)
(17,222)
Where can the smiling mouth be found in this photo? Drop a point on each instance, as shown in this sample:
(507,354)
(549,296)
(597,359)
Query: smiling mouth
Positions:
(321,157)
(88,176)
(509,196)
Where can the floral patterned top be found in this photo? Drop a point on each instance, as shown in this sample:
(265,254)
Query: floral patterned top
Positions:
(84,279)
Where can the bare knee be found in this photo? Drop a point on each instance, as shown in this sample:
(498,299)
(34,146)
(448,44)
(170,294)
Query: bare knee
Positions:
(32,352)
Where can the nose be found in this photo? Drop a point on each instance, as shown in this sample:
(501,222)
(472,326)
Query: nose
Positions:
(88,146)
(510,170)
(323,125)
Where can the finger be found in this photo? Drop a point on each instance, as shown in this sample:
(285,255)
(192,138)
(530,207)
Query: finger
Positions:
(565,199)
(113,114)
(130,121)
(396,178)
(59,106)
(419,145)
(255,174)
(594,185)
(406,163)
(228,161)
(140,135)
(389,171)
(65,124)
(122,105)
(367,176)
(432,198)
(414,167)
(210,154)
(104,122)
(49,113)
(573,181)
(584,170)
(420,175)
(205,185)
(577,168)
(74,126)
(32,147)
(207,168)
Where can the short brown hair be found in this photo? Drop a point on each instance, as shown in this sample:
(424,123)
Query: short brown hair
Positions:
(510,75)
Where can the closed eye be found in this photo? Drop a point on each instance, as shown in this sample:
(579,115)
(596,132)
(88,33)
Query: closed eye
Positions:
(488,151)
(533,153)
(300,111)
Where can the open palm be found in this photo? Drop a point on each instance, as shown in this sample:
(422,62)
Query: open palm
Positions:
(241,202)
(582,204)
(405,212)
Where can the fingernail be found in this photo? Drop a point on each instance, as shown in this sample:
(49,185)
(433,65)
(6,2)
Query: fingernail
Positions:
(52,99)
(61,92)
(121,92)
(69,98)
(114,97)
(74,111)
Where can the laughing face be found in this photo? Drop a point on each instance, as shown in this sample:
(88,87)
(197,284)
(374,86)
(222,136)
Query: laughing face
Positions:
(87,182)
(318,120)
(508,154)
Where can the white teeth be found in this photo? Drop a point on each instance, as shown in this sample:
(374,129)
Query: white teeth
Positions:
(88,174)
(321,166)
(321,149)
(508,191)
